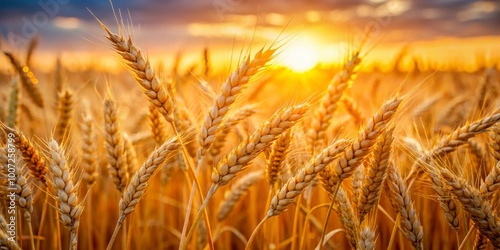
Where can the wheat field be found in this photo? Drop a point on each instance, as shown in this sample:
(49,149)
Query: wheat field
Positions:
(248,156)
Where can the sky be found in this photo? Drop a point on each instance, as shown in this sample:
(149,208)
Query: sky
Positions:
(169,26)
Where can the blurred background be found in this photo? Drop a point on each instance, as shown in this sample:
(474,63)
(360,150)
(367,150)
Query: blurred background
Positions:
(437,33)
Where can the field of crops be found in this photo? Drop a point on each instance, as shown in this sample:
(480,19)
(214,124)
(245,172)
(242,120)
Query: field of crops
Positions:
(263,152)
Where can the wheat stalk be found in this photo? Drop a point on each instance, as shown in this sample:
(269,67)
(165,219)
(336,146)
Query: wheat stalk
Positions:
(345,210)
(34,160)
(89,159)
(141,178)
(28,80)
(229,91)
(491,183)
(144,73)
(375,174)
(366,239)
(220,139)
(247,150)
(65,112)
(13,108)
(495,141)
(478,209)
(446,203)
(70,209)
(276,159)
(296,184)
(356,153)
(335,91)
(402,203)
(115,151)
(157,125)
(139,182)
(461,135)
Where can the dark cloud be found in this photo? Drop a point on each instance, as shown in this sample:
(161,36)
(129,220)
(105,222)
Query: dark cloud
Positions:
(168,19)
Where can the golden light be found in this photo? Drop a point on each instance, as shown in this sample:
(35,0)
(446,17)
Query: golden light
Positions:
(301,56)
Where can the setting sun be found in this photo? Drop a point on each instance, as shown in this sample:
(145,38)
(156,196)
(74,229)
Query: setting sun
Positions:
(301,56)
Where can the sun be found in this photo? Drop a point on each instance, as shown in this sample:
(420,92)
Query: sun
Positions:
(301,56)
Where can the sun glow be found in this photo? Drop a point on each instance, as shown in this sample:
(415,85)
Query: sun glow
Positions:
(301,56)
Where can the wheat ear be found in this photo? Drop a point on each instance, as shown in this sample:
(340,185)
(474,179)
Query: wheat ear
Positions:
(446,203)
(345,210)
(65,112)
(220,139)
(32,157)
(23,191)
(28,80)
(402,203)
(229,91)
(335,91)
(478,209)
(276,159)
(296,184)
(13,108)
(70,209)
(139,182)
(115,151)
(461,135)
(247,150)
(130,155)
(157,125)
(144,73)
(89,159)
(141,178)
(491,183)
(366,239)
(356,153)
(237,191)
(375,174)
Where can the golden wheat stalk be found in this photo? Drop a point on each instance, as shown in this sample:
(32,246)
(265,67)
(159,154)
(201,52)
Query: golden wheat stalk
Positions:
(70,209)
(65,114)
(461,135)
(28,80)
(220,139)
(356,153)
(342,205)
(495,141)
(491,183)
(157,125)
(115,151)
(375,174)
(229,91)
(144,74)
(13,108)
(89,159)
(276,159)
(335,91)
(34,160)
(478,209)
(139,182)
(401,200)
(366,238)
(250,148)
(296,184)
